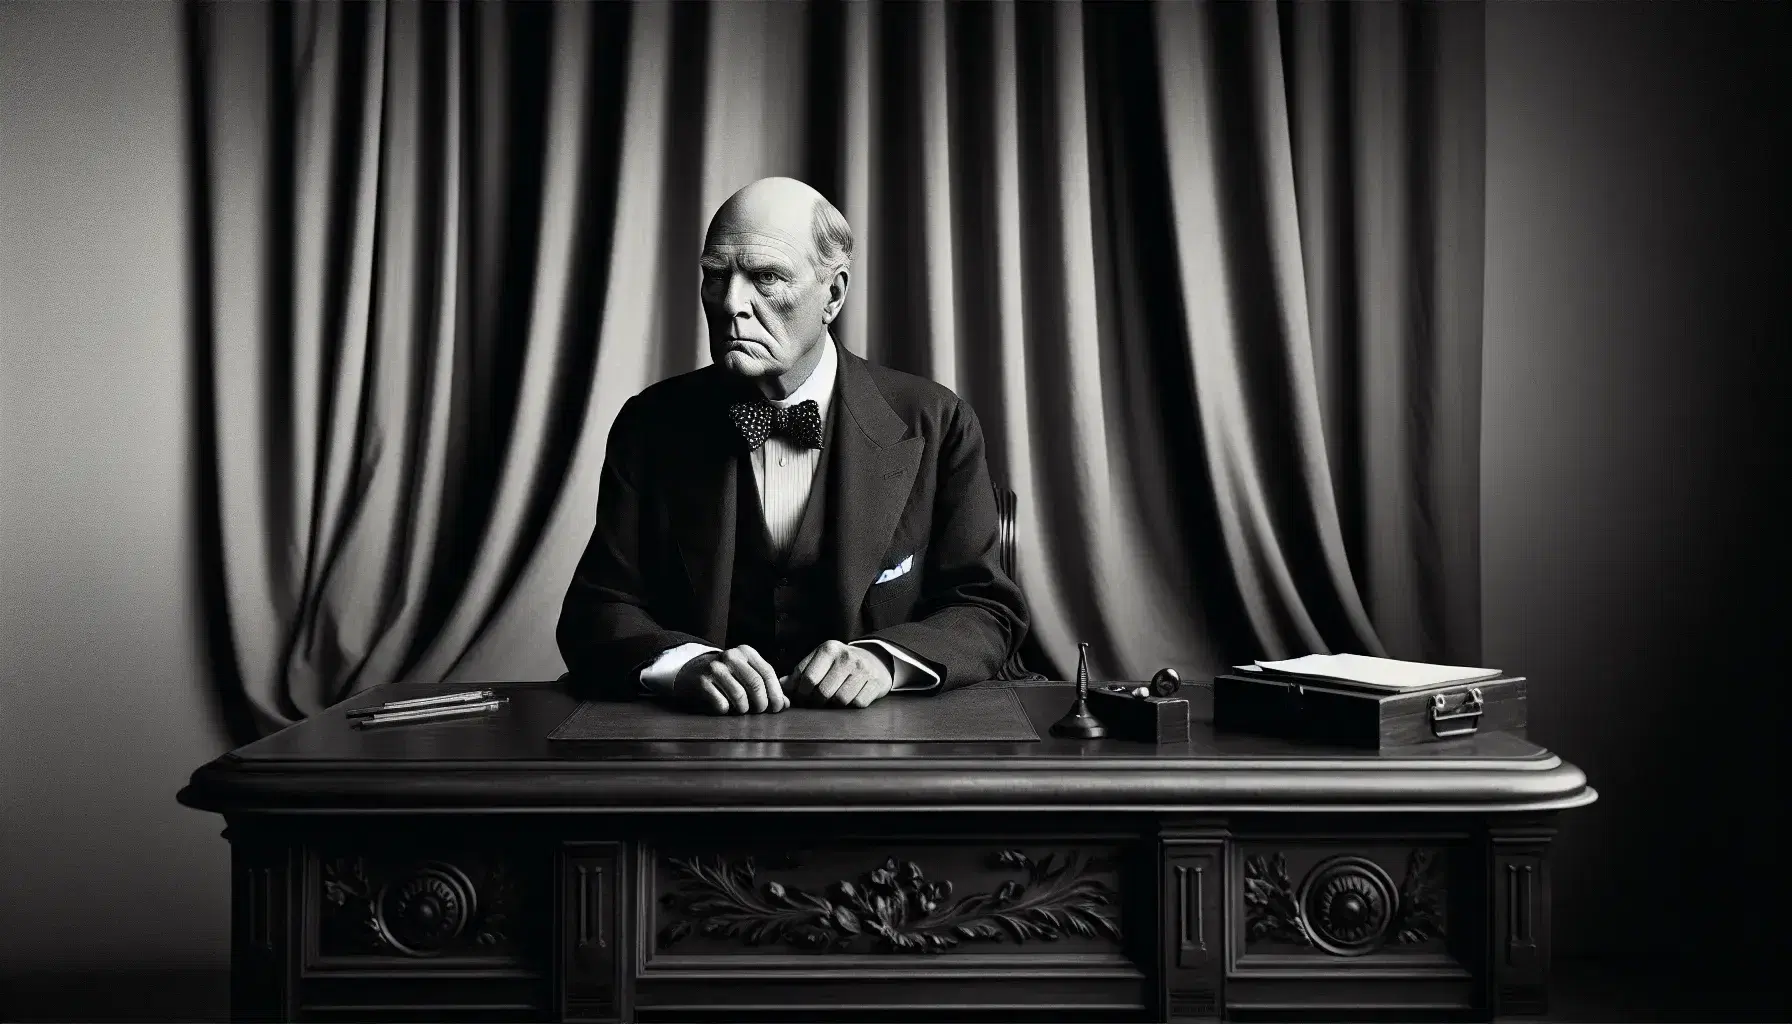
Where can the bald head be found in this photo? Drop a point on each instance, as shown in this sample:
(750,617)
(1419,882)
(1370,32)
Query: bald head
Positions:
(791,211)
(776,265)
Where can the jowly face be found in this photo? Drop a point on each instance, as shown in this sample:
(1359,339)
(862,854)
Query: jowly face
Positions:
(766,305)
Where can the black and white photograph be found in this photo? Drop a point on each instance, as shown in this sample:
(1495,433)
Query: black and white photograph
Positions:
(876,511)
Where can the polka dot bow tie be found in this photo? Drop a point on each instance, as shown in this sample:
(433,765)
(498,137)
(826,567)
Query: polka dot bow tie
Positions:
(756,421)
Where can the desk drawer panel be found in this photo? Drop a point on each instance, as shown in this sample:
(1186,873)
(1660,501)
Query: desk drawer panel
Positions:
(1388,921)
(391,910)
(889,902)
(1343,902)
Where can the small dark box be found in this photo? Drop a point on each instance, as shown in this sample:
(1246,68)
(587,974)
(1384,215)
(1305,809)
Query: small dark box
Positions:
(1144,719)
(1335,714)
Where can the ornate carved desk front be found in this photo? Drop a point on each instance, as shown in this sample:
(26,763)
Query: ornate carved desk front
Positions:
(473,870)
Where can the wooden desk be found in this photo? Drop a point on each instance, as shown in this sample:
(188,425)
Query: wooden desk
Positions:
(475,870)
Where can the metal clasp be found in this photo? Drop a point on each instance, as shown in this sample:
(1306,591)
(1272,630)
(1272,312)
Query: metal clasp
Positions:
(1470,709)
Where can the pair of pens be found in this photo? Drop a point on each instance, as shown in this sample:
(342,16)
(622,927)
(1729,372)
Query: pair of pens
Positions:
(428,708)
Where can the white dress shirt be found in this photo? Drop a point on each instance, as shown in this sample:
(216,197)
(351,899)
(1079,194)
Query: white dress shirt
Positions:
(784,475)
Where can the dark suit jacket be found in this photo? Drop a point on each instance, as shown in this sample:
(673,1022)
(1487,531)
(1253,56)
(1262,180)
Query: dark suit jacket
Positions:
(909,477)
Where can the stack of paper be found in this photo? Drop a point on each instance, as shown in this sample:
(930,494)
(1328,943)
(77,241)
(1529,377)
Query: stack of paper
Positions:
(1383,675)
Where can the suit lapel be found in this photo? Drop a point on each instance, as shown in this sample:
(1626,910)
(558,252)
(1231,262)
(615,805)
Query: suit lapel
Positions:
(875,465)
(702,506)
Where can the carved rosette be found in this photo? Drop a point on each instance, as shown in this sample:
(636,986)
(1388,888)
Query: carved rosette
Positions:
(415,909)
(421,912)
(1348,903)
(1345,905)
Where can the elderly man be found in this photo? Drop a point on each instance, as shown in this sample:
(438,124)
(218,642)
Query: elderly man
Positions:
(791,524)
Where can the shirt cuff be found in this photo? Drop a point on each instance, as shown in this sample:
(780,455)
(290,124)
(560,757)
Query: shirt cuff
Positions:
(906,673)
(658,676)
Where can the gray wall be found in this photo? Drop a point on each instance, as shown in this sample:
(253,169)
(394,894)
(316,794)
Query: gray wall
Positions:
(1633,377)
(102,713)
(1630,242)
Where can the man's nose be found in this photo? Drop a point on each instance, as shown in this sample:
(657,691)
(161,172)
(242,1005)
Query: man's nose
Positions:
(736,300)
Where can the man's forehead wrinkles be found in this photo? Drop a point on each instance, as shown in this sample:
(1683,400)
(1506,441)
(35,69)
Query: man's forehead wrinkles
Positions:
(715,249)
(762,237)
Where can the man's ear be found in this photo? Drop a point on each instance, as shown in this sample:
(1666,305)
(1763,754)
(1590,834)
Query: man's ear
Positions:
(837,289)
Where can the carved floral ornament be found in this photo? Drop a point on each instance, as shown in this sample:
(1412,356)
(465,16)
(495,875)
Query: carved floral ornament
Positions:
(1345,905)
(421,910)
(894,905)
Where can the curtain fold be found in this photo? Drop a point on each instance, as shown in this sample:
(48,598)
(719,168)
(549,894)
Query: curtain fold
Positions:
(1210,276)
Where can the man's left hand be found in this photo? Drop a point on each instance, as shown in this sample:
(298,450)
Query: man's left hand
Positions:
(837,675)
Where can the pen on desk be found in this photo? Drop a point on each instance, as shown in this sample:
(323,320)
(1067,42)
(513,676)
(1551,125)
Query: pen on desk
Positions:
(430,714)
(425,702)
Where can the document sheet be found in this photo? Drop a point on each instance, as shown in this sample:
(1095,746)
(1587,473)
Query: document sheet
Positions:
(1382,674)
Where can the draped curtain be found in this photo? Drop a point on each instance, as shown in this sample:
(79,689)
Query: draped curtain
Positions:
(1209,274)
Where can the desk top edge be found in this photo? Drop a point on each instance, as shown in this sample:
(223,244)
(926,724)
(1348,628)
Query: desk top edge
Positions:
(324,762)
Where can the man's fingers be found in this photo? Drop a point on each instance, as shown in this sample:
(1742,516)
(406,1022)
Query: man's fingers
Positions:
(870,693)
(812,671)
(792,695)
(810,660)
(757,660)
(747,675)
(774,693)
(803,664)
(723,679)
(856,682)
(714,702)
(877,680)
(839,671)
(776,699)
(858,677)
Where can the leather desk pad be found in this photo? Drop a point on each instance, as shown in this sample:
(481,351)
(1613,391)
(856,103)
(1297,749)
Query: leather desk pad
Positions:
(969,715)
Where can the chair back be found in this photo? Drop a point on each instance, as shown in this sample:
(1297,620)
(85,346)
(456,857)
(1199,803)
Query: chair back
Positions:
(1005,553)
(1005,529)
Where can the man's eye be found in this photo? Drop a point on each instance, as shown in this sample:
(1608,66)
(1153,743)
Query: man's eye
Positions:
(766,278)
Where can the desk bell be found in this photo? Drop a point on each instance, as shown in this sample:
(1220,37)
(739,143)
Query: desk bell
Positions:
(1078,723)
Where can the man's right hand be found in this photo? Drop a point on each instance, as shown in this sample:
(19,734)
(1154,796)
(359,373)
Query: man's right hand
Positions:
(733,682)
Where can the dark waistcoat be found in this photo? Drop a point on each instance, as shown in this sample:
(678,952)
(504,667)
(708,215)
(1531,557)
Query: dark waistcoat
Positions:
(783,607)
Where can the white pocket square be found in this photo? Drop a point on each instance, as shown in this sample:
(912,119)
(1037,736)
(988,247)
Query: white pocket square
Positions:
(896,570)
